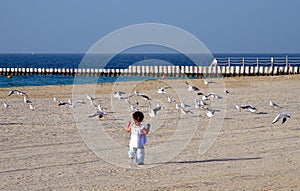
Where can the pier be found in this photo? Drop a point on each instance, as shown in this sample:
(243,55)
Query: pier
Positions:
(213,70)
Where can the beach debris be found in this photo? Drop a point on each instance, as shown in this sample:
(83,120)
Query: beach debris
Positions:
(283,116)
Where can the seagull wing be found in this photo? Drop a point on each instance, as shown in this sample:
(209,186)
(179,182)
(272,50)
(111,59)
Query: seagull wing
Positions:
(277,118)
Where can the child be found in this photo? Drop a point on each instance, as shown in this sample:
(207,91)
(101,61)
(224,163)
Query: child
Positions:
(138,138)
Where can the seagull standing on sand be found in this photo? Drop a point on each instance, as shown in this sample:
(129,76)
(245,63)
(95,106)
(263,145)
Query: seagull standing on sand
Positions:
(272,104)
(31,107)
(6,105)
(170,99)
(191,87)
(119,95)
(210,113)
(90,98)
(55,100)
(26,100)
(282,116)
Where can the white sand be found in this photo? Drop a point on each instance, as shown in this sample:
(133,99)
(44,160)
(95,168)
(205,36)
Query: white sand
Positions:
(43,149)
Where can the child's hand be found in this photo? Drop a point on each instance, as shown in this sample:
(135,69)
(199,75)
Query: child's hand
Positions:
(128,129)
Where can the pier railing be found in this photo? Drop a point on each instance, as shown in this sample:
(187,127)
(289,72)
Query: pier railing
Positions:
(213,70)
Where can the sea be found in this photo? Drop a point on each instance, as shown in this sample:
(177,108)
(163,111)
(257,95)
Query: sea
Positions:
(122,60)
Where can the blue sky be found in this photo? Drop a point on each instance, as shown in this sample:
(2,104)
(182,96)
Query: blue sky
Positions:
(224,26)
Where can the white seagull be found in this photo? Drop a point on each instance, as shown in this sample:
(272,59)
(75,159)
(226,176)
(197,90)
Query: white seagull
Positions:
(31,107)
(26,100)
(246,107)
(161,90)
(272,104)
(191,87)
(152,112)
(6,105)
(282,116)
(210,113)
(17,92)
(90,98)
(119,95)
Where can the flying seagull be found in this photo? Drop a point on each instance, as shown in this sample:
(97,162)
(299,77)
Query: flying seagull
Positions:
(282,116)
(100,114)
(17,92)
(246,107)
(161,90)
(153,111)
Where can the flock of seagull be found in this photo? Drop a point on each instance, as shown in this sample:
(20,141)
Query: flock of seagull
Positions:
(179,106)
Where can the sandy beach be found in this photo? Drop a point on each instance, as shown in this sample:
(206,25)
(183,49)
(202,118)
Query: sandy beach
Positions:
(61,148)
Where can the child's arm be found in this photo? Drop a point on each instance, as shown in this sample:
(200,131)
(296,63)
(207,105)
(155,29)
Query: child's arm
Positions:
(128,128)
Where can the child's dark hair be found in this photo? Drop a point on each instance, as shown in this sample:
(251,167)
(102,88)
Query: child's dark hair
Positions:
(139,116)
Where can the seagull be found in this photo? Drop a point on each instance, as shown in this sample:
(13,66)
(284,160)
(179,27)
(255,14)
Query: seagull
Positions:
(101,108)
(100,114)
(197,104)
(170,99)
(90,98)
(118,94)
(282,116)
(6,105)
(153,111)
(31,107)
(177,106)
(184,112)
(210,113)
(75,102)
(161,90)
(183,105)
(246,107)
(191,88)
(136,102)
(136,93)
(214,95)
(272,104)
(55,100)
(133,108)
(17,92)
(226,92)
(205,81)
(26,100)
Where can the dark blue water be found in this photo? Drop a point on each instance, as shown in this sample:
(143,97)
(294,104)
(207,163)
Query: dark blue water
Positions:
(118,61)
